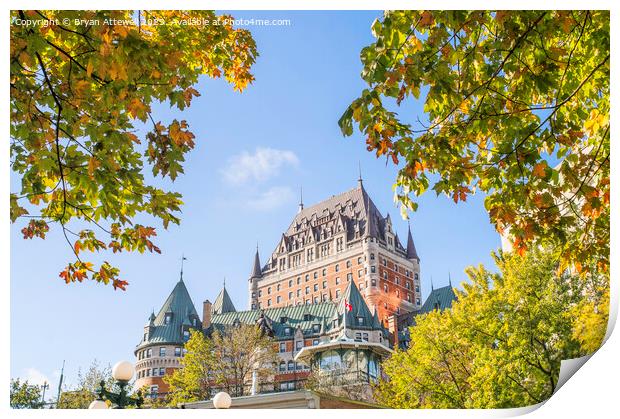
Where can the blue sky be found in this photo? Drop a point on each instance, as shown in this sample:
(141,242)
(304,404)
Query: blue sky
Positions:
(253,152)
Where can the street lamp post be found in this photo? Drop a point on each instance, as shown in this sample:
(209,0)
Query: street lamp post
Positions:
(122,372)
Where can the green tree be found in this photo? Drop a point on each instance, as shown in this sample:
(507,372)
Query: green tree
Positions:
(88,382)
(501,343)
(194,381)
(242,350)
(516,105)
(224,361)
(25,396)
(82,84)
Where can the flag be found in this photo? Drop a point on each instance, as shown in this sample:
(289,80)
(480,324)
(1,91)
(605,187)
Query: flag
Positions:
(347,306)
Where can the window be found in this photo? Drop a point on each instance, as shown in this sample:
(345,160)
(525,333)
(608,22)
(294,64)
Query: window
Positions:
(162,372)
(268,290)
(146,336)
(307,290)
(177,351)
(360,273)
(186,335)
(278,287)
(162,351)
(307,277)
(358,336)
(324,284)
(298,280)
(291,366)
(297,366)
(373,269)
(307,317)
(316,300)
(373,282)
(299,344)
(372,256)
(417,301)
(385,287)
(360,321)
(154,390)
(407,285)
(416,277)
(253,306)
(149,353)
(148,372)
(398,293)
(365,337)
(359,260)
(324,271)
(290,295)
(324,297)
(283,319)
(155,370)
(417,288)
(287,331)
(397,281)
(408,297)
(385,275)
(315,342)
(337,267)
(291,385)
(348,263)
(316,275)
(282,347)
(337,293)
(282,386)
(260,293)
(349,277)
(384,261)
(337,280)
(269,302)
(290,283)
(282,366)
(299,292)
(278,299)
(316,287)
(316,328)
(167,318)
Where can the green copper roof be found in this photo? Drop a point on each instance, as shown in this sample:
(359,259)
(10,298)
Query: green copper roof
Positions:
(223,303)
(293,316)
(182,312)
(440,298)
(358,308)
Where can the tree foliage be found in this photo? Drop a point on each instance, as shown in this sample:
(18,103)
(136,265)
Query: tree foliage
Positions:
(83,394)
(517,106)
(194,381)
(82,84)
(25,396)
(224,361)
(501,343)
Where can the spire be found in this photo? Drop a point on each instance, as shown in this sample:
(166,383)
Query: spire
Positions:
(301,199)
(223,303)
(449,279)
(256,269)
(182,259)
(224,284)
(411,251)
(432,287)
(360,182)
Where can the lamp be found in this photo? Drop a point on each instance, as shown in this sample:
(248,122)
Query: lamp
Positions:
(222,400)
(98,404)
(123,371)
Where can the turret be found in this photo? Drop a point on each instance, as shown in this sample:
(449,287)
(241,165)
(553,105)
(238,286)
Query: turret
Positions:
(255,275)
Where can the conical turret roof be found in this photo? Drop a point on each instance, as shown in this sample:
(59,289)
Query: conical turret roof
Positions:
(256,269)
(411,251)
(359,308)
(223,303)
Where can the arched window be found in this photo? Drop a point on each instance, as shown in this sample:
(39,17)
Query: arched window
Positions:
(291,366)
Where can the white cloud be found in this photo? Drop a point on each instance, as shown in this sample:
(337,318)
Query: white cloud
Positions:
(260,166)
(34,376)
(271,198)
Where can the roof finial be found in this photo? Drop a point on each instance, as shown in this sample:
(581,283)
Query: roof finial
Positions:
(182,259)
(301,198)
(224,282)
(360,180)
(449,279)
(432,287)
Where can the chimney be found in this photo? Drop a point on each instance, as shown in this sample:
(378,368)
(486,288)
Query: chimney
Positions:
(206,314)
(393,328)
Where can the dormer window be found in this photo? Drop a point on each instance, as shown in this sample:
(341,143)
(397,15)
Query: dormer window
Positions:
(316,328)
(168,318)
(283,319)
(360,321)
(307,317)
(287,331)
(186,335)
